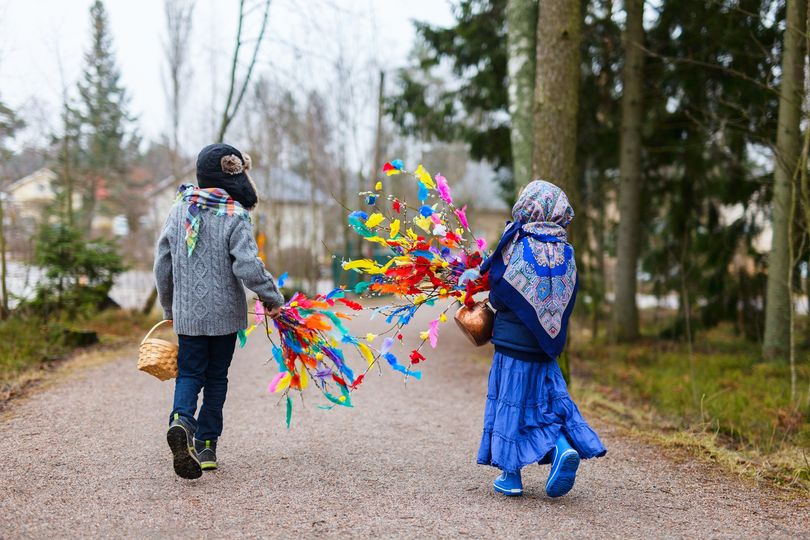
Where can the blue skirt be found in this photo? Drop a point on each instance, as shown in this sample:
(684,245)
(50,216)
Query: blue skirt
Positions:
(527,407)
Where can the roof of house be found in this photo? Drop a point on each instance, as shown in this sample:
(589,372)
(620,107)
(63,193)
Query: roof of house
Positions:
(40,175)
(277,184)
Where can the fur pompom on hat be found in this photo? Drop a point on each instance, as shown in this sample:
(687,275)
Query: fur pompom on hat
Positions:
(223,166)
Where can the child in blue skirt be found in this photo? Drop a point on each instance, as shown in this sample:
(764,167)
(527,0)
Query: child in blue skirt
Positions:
(529,416)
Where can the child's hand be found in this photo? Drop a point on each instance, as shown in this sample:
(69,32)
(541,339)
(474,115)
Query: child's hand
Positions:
(274,312)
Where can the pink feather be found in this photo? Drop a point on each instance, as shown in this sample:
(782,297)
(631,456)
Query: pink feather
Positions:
(444,188)
(461,213)
(433,333)
(274,383)
(482,244)
(258,312)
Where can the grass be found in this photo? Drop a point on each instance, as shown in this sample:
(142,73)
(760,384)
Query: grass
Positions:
(28,346)
(723,402)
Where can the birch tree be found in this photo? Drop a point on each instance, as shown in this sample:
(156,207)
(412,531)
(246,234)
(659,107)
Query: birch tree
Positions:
(776,342)
(625,311)
(521,23)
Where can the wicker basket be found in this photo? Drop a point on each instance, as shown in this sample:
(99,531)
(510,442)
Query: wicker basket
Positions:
(476,322)
(158,357)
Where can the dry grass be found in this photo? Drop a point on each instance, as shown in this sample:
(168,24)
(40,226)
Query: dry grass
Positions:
(786,466)
(30,361)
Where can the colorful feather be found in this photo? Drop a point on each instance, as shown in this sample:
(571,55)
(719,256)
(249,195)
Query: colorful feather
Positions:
(433,333)
(444,189)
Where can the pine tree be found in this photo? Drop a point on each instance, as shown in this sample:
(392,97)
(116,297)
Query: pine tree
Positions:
(474,108)
(106,138)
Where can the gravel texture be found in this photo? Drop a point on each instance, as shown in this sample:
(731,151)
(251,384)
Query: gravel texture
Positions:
(88,458)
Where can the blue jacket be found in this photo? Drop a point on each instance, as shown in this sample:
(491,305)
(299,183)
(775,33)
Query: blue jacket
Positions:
(513,338)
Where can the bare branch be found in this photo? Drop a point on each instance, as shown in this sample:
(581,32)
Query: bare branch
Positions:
(231,106)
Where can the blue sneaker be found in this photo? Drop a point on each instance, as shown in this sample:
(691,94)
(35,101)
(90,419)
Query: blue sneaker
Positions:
(563,468)
(509,484)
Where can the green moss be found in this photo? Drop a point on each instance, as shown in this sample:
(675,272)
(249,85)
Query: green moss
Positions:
(742,399)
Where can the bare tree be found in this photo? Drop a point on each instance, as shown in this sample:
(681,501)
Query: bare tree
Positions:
(178,75)
(237,91)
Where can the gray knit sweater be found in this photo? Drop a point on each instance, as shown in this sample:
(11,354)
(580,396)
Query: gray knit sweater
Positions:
(203,294)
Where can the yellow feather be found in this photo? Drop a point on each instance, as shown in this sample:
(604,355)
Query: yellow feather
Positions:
(423,223)
(374,220)
(283,383)
(366,352)
(424,177)
(361,264)
(395,228)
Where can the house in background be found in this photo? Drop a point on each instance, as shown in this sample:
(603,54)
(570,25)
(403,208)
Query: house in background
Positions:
(26,202)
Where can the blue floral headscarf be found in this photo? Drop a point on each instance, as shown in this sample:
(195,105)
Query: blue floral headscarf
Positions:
(533,269)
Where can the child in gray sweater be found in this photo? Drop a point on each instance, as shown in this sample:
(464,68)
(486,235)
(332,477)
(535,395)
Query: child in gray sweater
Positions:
(204,255)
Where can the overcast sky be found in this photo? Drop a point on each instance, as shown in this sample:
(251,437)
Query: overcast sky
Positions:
(303,39)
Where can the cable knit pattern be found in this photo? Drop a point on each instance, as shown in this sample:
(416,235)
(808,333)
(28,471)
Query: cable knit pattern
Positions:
(204,294)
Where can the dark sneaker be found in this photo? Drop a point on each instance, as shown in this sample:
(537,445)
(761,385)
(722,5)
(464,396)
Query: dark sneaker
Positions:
(181,441)
(207,454)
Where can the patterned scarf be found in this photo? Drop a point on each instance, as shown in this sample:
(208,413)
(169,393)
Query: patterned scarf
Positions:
(533,268)
(213,199)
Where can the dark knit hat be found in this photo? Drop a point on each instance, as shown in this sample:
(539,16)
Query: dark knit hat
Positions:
(223,166)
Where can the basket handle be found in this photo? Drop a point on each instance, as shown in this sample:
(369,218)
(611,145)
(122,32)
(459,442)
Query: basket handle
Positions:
(149,333)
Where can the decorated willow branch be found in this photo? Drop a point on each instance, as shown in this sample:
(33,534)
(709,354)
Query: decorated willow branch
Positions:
(430,257)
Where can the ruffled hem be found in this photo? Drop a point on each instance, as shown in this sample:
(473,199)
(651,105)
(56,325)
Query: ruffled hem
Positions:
(527,407)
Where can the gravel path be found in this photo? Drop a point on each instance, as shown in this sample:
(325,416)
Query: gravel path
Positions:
(88,458)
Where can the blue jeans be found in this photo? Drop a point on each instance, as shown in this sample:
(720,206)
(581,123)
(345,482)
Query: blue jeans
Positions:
(202,363)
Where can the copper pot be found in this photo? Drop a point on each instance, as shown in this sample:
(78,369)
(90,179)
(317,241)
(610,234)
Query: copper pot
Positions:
(476,322)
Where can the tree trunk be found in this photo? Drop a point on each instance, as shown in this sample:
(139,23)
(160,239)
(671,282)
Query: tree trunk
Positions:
(521,23)
(556,101)
(3,277)
(556,95)
(625,311)
(776,341)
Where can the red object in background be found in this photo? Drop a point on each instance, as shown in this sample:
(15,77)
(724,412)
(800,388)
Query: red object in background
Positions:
(101,189)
